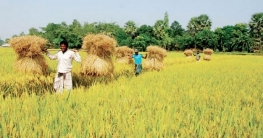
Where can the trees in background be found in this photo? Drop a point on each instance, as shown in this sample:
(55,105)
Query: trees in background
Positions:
(198,24)
(256,29)
(1,42)
(198,34)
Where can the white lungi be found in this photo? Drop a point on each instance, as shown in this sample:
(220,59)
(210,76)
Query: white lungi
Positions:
(63,82)
(64,65)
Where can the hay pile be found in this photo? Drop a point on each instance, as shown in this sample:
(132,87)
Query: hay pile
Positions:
(208,52)
(28,46)
(95,66)
(155,57)
(123,54)
(29,51)
(188,53)
(100,49)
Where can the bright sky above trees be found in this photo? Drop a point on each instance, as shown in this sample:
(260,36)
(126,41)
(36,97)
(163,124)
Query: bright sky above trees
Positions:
(18,16)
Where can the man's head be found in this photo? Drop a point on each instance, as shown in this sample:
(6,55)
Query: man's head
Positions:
(64,46)
(197,52)
(136,51)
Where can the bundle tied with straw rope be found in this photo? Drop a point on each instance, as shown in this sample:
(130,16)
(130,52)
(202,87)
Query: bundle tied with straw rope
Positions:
(123,54)
(188,53)
(29,50)
(208,52)
(100,49)
(155,57)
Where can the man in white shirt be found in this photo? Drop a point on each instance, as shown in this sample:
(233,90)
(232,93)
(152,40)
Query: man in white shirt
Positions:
(63,77)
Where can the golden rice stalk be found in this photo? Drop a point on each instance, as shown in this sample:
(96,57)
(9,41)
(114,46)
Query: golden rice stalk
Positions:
(99,44)
(36,65)
(156,52)
(207,57)
(28,45)
(123,51)
(95,66)
(188,53)
(153,64)
(208,51)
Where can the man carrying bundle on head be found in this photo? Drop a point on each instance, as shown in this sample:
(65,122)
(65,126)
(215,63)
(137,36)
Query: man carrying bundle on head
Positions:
(138,61)
(63,77)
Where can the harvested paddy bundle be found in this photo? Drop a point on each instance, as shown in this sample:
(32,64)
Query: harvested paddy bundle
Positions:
(124,60)
(35,65)
(207,57)
(208,52)
(188,53)
(123,54)
(95,66)
(152,63)
(99,44)
(28,46)
(155,57)
(100,49)
(30,57)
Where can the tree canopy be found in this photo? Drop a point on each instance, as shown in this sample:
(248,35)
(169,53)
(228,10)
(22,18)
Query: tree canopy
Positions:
(198,34)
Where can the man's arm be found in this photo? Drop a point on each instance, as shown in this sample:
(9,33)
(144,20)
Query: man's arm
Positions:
(52,57)
(76,55)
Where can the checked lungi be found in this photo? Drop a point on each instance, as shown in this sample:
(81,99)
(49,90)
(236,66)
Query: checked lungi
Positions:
(63,81)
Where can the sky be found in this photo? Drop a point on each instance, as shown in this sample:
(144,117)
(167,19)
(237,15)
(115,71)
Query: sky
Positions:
(18,16)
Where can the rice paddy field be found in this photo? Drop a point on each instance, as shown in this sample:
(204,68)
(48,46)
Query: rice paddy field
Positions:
(218,98)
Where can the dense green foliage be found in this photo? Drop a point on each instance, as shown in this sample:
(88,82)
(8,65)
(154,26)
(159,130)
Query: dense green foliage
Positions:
(198,34)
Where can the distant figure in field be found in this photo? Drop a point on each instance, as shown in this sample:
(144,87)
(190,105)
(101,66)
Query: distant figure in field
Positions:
(138,61)
(198,56)
(63,77)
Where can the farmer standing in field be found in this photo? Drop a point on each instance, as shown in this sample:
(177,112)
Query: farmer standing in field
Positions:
(198,56)
(138,61)
(63,77)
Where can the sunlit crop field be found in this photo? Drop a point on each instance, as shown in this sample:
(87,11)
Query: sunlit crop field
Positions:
(219,98)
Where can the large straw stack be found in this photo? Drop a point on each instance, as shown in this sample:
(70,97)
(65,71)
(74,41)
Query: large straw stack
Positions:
(155,57)
(29,51)
(188,53)
(123,54)
(100,49)
(208,52)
